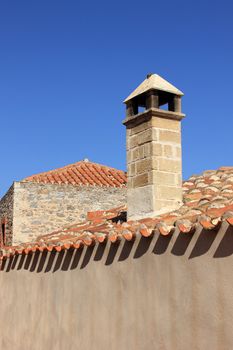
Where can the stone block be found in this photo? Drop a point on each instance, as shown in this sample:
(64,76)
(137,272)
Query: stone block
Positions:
(159,178)
(155,149)
(133,141)
(178,152)
(131,169)
(169,165)
(142,150)
(140,180)
(145,165)
(140,202)
(147,136)
(168,151)
(169,136)
(129,156)
(178,180)
(163,123)
(130,183)
(165,206)
(169,193)
(136,154)
(138,129)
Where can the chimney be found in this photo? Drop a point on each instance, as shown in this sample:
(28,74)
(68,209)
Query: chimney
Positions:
(153,148)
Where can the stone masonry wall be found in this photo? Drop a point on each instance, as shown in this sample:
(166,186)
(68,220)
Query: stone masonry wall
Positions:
(43,208)
(154,167)
(6,216)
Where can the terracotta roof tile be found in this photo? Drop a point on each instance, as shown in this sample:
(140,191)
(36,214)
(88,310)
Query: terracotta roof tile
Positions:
(82,173)
(208,210)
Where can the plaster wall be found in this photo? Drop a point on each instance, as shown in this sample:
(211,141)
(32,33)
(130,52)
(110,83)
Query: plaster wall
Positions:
(43,208)
(168,293)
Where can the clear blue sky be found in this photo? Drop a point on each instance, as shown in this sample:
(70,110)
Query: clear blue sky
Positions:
(66,66)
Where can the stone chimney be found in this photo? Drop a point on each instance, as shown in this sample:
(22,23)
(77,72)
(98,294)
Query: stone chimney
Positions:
(153,148)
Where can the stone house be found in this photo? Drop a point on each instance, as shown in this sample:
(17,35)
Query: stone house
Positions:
(45,202)
(158,278)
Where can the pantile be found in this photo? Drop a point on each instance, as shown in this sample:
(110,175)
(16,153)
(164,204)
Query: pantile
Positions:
(199,208)
(82,173)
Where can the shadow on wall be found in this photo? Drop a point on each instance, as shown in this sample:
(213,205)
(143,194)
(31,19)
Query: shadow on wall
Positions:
(218,244)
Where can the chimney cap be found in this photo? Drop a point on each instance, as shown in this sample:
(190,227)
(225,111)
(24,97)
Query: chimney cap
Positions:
(154,82)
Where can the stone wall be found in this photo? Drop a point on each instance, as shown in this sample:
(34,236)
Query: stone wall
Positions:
(43,208)
(166,293)
(154,167)
(6,216)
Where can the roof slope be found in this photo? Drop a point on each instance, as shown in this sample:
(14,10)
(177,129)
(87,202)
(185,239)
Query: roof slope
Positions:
(208,201)
(154,82)
(82,173)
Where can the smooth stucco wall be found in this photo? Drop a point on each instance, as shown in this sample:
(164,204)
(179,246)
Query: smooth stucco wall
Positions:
(173,294)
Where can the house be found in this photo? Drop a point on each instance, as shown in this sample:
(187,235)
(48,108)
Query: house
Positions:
(45,202)
(159,277)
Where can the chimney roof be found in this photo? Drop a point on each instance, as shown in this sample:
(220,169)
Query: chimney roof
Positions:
(154,82)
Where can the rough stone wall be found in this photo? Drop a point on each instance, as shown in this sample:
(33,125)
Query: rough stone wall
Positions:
(6,215)
(168,293)
(43,208)
(154,167)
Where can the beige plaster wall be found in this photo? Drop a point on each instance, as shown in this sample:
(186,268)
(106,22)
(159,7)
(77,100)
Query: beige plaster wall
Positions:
(168,293)
(43,208)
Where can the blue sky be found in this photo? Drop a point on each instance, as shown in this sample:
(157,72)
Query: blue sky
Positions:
(66,66)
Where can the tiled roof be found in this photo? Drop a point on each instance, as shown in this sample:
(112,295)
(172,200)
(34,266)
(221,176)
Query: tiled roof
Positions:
(82,173)
(208,201)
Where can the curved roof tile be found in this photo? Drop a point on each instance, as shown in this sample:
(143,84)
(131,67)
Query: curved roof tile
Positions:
(82,173)
(208,205)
